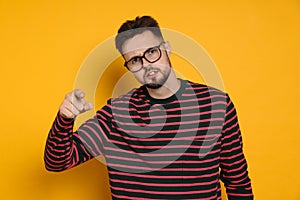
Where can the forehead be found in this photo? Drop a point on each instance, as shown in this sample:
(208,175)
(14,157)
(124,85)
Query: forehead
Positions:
(139,43)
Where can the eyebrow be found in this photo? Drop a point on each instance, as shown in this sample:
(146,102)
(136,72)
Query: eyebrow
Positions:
(135,56)
(138,56)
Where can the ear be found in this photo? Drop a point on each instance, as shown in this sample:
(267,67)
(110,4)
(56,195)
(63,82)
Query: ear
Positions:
(168,48)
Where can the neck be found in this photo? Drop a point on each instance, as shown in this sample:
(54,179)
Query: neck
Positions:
(170,87)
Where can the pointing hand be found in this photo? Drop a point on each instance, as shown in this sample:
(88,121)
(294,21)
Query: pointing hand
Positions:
(74,104)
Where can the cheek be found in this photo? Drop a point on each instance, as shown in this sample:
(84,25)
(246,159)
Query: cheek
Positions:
(165,62)
(164,66)
(139,76)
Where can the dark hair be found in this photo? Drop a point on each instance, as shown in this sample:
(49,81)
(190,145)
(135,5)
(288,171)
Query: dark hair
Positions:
(137,26)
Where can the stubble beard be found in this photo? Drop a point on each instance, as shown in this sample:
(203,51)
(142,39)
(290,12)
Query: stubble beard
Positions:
(154,85)
(156,82)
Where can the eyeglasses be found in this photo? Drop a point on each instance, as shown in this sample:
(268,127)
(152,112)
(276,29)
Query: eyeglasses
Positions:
(152,55)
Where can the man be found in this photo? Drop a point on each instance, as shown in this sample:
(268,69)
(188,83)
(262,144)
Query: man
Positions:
(168,139)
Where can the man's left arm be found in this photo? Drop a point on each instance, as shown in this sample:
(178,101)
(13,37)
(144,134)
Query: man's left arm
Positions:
(233,164)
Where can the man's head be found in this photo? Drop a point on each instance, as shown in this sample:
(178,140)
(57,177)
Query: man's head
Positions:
(141,44)
(133,27)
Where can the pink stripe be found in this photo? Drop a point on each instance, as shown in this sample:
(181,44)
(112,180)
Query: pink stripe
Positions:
(59,144)
(54,134)
(55,166)
(197,92)
(172,131)
(226,137)
(155,109)
(231,150)
(52,163)
(241,181)
(94,134)
(82,146)
(90,149)
(236,170)
(229,102)
(55,150)
(169,123)
(210,96)
(129,98)
(239,194)
(231,143)
(130,198)
(57,131)
(230,120)
(163,184)
(231,127)
(107,129)
(163,162)
(105,112)
(210,152)
(59,160)
(67,124)
(163,192)
(211,136)
(64,121)
(161,176)
(234,163)
(223,158)
(190,146)
(171,116)
(76,156)
(161,154)
(162,169)
(231,110)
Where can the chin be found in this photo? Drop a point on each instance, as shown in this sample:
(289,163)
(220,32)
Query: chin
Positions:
(153,85)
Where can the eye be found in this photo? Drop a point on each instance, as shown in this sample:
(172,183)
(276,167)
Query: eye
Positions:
(135,60)
(152,51)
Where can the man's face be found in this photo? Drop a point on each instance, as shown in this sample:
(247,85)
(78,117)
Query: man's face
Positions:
(152,75)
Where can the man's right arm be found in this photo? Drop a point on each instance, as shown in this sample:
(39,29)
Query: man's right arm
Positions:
(64,148)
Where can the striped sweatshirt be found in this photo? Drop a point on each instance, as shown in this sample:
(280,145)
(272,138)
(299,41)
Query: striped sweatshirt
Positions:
(174,148)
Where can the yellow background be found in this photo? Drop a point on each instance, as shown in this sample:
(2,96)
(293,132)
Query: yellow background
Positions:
(255,45)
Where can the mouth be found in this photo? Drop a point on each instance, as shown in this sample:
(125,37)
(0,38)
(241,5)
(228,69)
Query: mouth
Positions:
(151,74)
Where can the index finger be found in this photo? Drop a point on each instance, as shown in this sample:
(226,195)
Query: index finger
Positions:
(79,94)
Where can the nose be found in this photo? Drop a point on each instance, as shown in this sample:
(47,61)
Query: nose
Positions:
(146,63)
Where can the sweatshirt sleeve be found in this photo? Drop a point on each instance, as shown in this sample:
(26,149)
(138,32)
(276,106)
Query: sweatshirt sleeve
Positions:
(66,148)
(234,172)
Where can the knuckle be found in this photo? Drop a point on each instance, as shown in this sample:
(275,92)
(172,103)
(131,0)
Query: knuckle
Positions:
(68,96)
(81,108)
